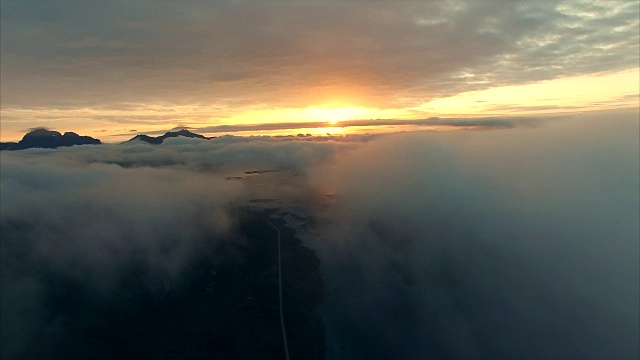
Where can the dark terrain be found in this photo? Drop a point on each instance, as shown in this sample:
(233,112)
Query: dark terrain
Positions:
(171,134)
(48,139)
(43,138)
(224,305)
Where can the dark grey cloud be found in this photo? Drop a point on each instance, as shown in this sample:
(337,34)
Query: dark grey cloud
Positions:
(81,226)
(235,54)
(504,122)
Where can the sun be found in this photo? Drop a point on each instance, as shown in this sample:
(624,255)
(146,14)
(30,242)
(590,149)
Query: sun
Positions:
(334,115)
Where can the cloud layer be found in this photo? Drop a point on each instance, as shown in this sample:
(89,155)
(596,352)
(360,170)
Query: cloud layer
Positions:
(512,243)
(215,58)
(492,245)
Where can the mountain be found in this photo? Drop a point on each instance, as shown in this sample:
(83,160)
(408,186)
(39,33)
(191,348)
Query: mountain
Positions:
(159,139)
(146,138)
(183,132)
(43,138)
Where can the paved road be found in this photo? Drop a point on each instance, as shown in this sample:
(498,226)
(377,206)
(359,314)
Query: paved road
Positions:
(284,333)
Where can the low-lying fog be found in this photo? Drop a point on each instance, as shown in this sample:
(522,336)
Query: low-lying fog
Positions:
(489,244)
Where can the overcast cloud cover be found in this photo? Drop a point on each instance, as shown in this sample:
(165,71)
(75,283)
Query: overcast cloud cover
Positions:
(510,243)
(122,62)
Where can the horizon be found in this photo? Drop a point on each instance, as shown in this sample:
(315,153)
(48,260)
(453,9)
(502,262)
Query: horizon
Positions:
(343,128)
(109,68)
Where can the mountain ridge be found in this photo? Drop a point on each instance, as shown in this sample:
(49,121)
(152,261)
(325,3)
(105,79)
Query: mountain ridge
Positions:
(50,139)
(170,134)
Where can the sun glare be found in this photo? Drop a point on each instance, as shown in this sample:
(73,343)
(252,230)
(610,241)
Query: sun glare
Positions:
(333,115)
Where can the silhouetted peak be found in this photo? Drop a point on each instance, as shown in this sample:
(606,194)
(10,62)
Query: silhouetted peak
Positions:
(41,133)
(171,134)
(183,132)
(147,139)
(43,138)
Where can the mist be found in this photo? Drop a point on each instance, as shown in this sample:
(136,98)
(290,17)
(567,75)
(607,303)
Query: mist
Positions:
(486,244)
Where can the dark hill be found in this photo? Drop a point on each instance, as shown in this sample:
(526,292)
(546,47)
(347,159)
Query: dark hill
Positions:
(183,132)
(147,138)
(171,134)
(43,138)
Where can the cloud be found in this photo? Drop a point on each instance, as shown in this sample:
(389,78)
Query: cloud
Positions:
(487,245)
(219,155)
(467,244)
(89,223)
(462,123)
(245,55)
(36,128)
(504,122)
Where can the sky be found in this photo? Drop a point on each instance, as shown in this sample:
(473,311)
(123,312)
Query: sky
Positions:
(113,69)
